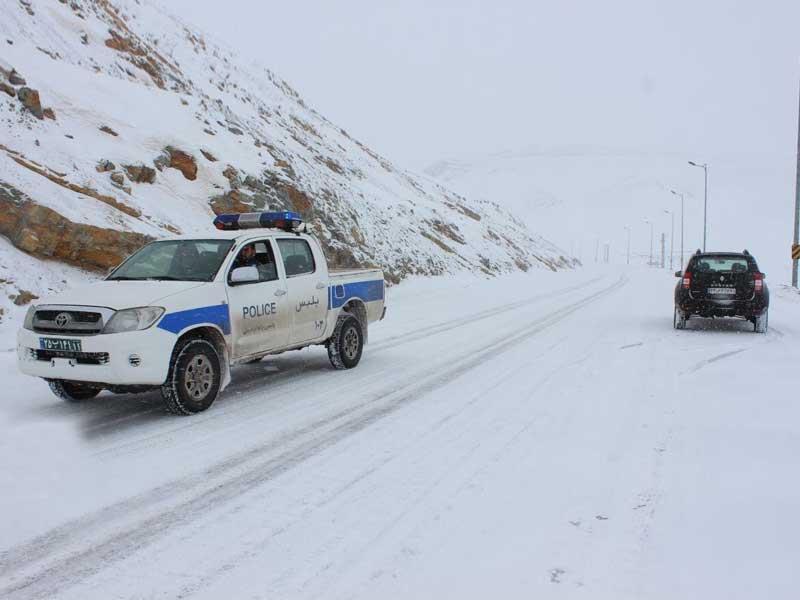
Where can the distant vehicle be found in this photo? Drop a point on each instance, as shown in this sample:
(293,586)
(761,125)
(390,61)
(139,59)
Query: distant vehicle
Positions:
(179,312)
(722,284)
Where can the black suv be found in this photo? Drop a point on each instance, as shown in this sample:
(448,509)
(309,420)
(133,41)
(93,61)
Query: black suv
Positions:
(722,284)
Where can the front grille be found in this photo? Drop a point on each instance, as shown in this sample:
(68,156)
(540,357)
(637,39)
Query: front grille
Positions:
(73,322)
(82,358)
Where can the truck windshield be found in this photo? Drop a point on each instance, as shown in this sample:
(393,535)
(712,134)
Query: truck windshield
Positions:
(174,260)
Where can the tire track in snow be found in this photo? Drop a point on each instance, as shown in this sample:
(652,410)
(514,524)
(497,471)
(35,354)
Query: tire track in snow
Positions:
(285,382)
(222,483)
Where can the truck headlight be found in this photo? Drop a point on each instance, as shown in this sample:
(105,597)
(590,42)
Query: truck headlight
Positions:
(29,318)
(133,319)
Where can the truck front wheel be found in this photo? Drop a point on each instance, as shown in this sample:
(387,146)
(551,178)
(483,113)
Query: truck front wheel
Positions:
(72,391)
(346,343)
(194,378)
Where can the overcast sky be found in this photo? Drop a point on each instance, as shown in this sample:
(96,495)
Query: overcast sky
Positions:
(420,79)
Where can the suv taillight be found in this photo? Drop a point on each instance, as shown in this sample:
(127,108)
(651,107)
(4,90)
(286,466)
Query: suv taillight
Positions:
(687,280)
(758,281)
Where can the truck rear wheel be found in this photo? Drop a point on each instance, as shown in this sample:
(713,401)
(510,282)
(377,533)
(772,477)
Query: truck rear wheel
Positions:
(346,344)
(73,391)
(194,378)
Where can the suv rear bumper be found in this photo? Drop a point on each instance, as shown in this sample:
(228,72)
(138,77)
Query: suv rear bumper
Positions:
(717,308)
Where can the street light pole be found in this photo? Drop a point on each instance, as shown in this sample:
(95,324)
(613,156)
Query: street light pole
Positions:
(651,242)
(796,204)
(671,237)
(704,166)
(628,229)
(681,195)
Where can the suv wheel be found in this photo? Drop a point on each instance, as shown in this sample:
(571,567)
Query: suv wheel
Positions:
(761,323)
(346,344)
(679,319)
(194,378)
(73,391)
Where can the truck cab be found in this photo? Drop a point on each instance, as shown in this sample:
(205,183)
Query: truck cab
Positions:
(178,313)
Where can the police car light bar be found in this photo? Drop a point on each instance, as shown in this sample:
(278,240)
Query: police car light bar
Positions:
(288,221)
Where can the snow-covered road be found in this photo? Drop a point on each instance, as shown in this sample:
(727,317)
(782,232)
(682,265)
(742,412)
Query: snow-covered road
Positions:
(543,435)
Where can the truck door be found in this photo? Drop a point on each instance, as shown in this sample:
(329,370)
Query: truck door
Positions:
(308,289)
(259,310)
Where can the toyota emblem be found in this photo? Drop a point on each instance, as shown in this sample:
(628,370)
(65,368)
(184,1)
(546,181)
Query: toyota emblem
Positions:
(63,319)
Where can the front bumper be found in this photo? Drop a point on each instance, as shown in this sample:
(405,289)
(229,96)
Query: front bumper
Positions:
(152,346)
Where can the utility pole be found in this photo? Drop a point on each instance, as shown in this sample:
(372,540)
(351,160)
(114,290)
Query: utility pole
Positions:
(650,263)
(671,237)
(704,166)
(663,250)
(681,195)
(628,259)
(796,203)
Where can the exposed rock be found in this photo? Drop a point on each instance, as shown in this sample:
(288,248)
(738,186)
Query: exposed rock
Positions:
(103,166)
(15,78)
(85,38)
(108,130)
(30,100)
(44,233)
(4,87)
(24,297)
(235,131)
(140,173)
(118,177)
(184,162)
(230,202)
(58,178)
(209,157)
(232,175)
(209,132)
(49,113)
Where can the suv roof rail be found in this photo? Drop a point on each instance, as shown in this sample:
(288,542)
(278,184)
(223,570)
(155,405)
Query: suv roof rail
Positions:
(746,252)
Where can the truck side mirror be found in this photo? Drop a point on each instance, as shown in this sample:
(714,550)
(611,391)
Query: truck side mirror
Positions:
(242,275)
(678,273)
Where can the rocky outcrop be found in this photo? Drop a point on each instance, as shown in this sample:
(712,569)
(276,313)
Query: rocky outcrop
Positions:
(30,100)
(140,173)
(43,233)
(183,162)
(108,130)
(5,88)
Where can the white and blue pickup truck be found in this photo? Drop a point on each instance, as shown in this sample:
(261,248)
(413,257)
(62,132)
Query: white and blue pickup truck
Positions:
(177,314)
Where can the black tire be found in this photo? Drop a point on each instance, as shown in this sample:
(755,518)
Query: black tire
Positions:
(761,323)
(679,319)
(73,391)
(346,344)
(194,377)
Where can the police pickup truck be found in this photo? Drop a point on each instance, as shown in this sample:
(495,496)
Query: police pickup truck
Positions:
(177,314)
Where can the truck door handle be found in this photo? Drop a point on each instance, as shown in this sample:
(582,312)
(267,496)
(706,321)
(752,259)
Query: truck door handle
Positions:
(280,292)
(321,286)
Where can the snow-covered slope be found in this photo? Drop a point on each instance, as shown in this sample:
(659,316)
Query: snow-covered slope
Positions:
(119,123)
(583,196)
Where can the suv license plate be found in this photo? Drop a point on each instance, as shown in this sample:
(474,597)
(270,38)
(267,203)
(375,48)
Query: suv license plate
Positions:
(722,291)
(59,344)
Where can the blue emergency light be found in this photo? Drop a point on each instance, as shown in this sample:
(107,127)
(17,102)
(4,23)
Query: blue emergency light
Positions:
(286,220)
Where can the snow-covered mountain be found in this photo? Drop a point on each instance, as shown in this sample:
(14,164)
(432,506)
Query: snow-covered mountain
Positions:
(119,123)
(584,197)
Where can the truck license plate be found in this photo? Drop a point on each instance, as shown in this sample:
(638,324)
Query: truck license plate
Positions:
(60,344)
(721,291)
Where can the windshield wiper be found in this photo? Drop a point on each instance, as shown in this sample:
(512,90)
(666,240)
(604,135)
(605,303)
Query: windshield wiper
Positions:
(123,278)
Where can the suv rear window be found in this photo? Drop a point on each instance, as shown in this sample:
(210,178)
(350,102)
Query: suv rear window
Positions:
(721,264)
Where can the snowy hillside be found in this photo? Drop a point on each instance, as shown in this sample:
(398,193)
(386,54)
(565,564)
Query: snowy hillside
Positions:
(585,195)
(118,123)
